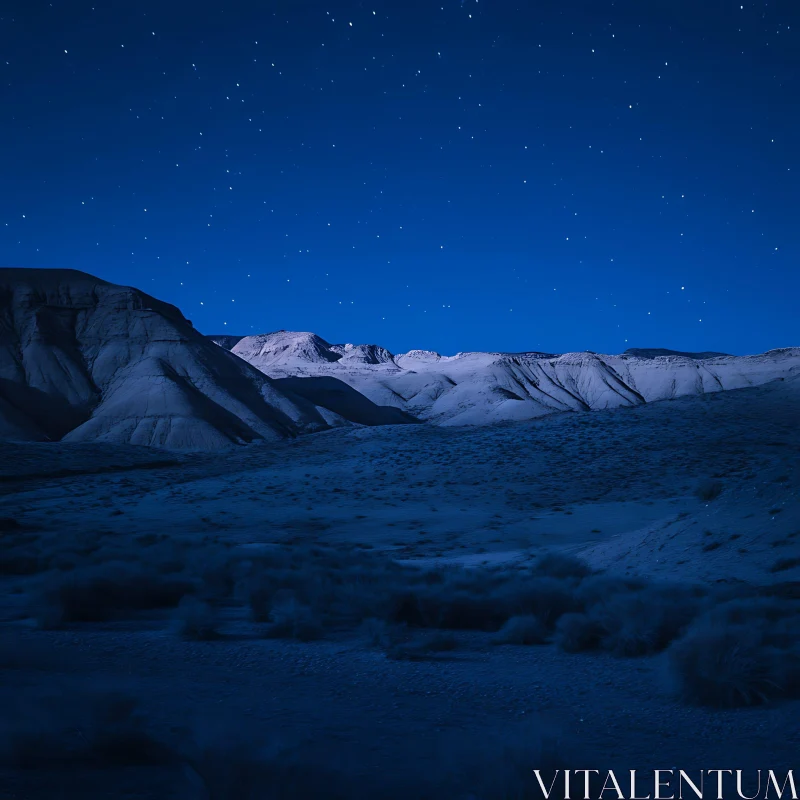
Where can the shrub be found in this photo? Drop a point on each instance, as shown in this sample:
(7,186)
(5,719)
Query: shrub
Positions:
(196,620)
(783,564)
(547,598)
(708,490)
(562,565)
(378,632)
(725,668)
(598,588)
(460,609)
(645,622)
(576,633)
(526,629)
(421,649)
(741,653)
(112,591)
(293,620)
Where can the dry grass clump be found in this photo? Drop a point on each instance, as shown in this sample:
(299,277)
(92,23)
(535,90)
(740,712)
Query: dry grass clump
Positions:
(628,618)
(708,490)
(304,593)
(743,652)
(578,633)
(196,619)
(110,591)
(522,629)
(783,564)
(293,620)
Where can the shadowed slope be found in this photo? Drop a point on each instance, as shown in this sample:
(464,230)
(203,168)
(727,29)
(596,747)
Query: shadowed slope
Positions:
(345,401)
(85,360)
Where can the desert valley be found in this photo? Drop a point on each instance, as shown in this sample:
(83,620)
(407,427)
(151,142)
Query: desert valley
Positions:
(273,567)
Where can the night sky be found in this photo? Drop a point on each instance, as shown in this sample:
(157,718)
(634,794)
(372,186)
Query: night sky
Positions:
(451,175)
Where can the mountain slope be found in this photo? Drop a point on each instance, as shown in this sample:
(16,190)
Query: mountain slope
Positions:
(225,341)
(654,352)
(85,360)
(482,388)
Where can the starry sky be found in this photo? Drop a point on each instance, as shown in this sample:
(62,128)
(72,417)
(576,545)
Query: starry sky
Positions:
(451,174)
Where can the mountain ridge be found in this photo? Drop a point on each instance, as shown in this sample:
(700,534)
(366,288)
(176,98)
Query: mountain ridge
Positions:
(485,387)
(229,341)
(82,359)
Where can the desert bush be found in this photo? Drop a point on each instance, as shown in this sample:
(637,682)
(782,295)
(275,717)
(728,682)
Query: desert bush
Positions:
(546,598)
(101,738)
(196,619)
(377,632)
(381,634)
(459,609)
(783,564)
(562,565)
(292,619)
(708,490)
(743,652)
(527,629)
(577,633)
(598,588)
(725,668)
(645,622)
(421,648)
(481,600)
(112,591)
(303,592)
(758,612)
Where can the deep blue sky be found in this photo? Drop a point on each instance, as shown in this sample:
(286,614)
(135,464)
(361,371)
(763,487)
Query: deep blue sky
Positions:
(538,174)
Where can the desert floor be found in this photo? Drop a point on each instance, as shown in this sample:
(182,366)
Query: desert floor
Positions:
(618,488)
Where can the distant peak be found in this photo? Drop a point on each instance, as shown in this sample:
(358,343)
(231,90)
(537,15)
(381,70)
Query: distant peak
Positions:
(272,349)
(225,340)
(656,352)
(363,353)
(422,355)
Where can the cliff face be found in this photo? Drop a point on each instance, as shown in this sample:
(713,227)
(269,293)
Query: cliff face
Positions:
(85,360)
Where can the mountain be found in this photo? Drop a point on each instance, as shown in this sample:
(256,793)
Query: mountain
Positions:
(226,341)
(86,360)
(655,352)
(483,388)
(284,348)
(83,360)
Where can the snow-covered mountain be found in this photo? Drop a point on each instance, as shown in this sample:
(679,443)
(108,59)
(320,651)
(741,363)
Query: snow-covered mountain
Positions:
(482,388)
(86,360)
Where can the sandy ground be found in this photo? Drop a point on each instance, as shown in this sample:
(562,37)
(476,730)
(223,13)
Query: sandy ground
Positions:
(617,487)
